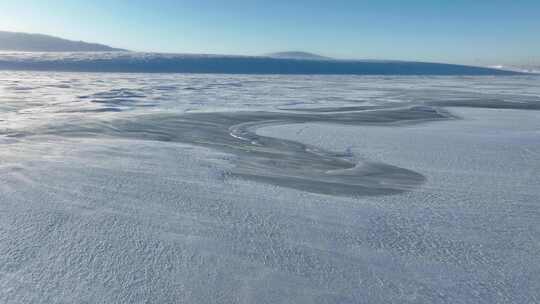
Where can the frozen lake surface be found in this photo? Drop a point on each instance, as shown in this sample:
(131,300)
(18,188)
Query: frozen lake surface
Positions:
(171,188)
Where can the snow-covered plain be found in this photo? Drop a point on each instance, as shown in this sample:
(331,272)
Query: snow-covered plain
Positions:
(170,188)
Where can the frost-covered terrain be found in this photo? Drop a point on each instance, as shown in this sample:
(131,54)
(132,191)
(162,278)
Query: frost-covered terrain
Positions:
(170,188)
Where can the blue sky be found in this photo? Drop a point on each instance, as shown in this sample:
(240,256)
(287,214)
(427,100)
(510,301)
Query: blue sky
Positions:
(458,31)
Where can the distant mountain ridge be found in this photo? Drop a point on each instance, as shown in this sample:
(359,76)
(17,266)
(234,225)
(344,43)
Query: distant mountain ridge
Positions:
(37,52)
(24,42)
(297,55)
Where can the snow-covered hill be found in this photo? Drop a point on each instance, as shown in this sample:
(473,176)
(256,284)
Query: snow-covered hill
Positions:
(224,64)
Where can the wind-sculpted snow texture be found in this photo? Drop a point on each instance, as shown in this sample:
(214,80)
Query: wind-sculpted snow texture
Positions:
(282,162)
(169,188)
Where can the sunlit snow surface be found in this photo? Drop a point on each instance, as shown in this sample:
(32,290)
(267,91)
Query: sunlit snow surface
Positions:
(139,188)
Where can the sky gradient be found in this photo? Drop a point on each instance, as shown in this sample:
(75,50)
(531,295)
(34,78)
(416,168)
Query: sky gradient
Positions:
(472,32)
